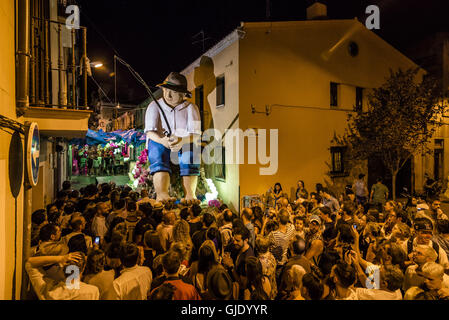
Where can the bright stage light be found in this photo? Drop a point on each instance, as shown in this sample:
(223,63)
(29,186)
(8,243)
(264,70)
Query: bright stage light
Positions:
(214,193)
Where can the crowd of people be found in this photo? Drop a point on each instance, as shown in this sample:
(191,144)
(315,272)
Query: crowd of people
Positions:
(108,242)
(98,160)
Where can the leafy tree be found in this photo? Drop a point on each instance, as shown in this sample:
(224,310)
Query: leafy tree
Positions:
(402,116)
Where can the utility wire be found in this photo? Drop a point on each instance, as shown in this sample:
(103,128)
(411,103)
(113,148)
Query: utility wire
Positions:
(116,57)
(101,89)
(6,122)
(136,75)
(133,72)
(99,32)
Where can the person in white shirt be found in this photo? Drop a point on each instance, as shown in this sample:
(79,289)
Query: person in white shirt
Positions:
(343,276)
(134,282)
(390,279)
(182,119)
(433,274)
(360,189)
(382,281)
(65,283)
(98,227)
(95,274)
(421,254)
(165,230)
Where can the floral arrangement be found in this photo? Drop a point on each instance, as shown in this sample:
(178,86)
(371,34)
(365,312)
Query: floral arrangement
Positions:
(125,150)
(112,145)
(214,203)
(141,172)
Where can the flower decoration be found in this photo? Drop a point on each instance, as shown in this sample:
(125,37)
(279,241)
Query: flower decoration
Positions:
(214,203)
(141,171)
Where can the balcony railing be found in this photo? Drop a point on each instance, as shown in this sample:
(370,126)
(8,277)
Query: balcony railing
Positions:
(58,65)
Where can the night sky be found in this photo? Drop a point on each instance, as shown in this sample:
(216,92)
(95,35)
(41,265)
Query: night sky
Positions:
(156,37)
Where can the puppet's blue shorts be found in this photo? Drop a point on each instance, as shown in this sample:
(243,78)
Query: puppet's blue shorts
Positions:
(188,158)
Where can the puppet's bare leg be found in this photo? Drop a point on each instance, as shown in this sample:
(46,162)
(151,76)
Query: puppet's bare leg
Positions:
(189,185)
(161,181)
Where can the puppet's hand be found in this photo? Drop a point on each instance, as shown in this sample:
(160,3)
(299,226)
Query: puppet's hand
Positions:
(175,143)
(173,140)
(165,141)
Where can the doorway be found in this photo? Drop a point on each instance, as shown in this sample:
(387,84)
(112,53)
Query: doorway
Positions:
(376,169)
(438,165)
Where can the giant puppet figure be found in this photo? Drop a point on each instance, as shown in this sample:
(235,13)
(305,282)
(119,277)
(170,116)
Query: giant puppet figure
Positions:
(173,128)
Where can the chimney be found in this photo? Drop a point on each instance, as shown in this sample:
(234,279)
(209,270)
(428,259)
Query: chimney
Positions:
(317,11)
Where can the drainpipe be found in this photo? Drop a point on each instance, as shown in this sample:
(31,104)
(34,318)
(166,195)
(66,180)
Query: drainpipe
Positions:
(85,68)
(62,93)
(26,247)
(27,197)
(41,69)
(73,70)
(23,53)
(47,63)
(33,52)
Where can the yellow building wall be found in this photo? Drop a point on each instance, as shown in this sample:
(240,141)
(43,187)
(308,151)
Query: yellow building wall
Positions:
(58,127)
(7,207)
(293,63)
(225,63)
(426,165)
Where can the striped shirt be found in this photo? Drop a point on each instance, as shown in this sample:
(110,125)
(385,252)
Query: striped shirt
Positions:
(279,242)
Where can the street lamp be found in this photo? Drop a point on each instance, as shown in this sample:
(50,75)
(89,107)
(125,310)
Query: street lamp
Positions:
(96,64)
(89,65)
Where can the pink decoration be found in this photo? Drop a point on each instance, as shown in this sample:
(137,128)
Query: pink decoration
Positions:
(141,171)
(214,203)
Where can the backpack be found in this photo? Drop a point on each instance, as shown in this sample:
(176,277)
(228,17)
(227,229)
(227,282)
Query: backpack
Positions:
(435,246)
(226,234)
(131,225)
(277,252)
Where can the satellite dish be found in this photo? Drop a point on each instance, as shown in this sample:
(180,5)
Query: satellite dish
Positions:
(15,164)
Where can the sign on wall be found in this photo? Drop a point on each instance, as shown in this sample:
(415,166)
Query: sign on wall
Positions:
(32,154)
